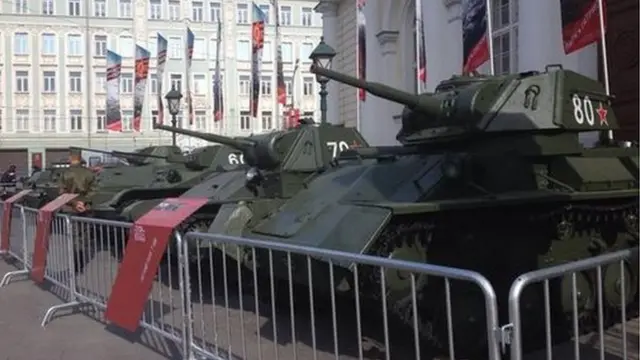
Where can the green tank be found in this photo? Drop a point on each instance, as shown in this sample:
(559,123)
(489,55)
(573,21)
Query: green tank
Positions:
(171,179)
(489,175)
(279,165)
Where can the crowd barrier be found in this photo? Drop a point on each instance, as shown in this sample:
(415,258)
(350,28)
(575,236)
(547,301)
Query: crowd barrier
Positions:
(215,307)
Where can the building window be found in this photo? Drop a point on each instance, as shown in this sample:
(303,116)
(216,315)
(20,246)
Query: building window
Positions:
(126,46)
(200,120)
(199,84)
(308,115)
(49,44)
(47,6)
(288,84)
(74,8)
(101,120)
(306,16)
(505,36)
(213,49)
(265,86)
(100,8)
(100,45)
(245,120)
(152,45)
(305,50)
(176,82)
(75,82)
(197,11)
(266,52)
(22,81)
(153,87)
(307,86)
(155,10)
(214,12)
(49,81)
(126,83)
(199,48)
(155,116)
(285,15)
(176,51)
(243,50)
(174,10)
(287,52)
(22,119)
(101,83)
(265,11)
(244,84)
(267,120)
(74,45)
(21,43)
(49,120)
(124,8)
(242,14)
(21,7)
(127,120)
(75,118)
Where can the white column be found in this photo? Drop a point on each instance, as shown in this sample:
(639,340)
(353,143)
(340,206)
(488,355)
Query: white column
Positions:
(329,11)
(383,122)
(443,53)
(539,43)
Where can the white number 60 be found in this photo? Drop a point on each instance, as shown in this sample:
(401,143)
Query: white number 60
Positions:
(583,110)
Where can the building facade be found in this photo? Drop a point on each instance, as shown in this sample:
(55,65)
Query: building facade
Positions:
(526,36)
(53,69)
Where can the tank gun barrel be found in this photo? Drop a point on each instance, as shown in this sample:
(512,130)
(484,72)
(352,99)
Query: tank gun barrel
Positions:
(237,143)
(422,103)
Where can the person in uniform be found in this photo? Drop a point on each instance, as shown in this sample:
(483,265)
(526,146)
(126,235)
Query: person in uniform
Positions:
(77,179)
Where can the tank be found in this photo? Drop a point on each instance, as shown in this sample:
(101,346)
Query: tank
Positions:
(177,175)
(278,165)
(134,170)
(489,175)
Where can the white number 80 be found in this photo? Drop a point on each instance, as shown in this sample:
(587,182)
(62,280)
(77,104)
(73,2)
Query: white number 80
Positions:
(583,110)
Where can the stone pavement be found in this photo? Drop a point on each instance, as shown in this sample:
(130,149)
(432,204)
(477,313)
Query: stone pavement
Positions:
(22,305)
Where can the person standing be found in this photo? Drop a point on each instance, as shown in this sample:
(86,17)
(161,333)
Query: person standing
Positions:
(78,179)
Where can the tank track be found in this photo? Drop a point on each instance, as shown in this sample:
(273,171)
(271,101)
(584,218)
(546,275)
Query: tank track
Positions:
(596,227)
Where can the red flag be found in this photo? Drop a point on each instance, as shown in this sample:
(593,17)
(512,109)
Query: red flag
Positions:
(580,23)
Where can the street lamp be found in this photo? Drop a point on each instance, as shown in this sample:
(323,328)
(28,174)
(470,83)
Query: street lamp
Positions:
(173,100)
(322,57)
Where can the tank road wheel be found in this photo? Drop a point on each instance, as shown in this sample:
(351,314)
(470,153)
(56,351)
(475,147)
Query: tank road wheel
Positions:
(398,283)
(585,296)
(612,285)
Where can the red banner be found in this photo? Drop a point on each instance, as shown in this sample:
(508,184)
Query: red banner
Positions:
(580,23)
(43,230)
(6,219)
(148,241)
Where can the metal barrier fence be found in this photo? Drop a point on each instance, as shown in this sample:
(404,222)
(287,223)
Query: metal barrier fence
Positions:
(286,301)
(605,309)
(296,264)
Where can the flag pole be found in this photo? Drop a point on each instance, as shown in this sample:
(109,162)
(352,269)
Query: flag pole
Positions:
(490,37)
(605,60)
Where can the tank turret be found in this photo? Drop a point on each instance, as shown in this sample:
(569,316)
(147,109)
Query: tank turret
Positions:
(258,151)
(278,160)
(531,102)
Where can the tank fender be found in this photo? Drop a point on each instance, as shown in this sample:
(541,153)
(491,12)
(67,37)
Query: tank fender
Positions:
(136,209)
(339,227)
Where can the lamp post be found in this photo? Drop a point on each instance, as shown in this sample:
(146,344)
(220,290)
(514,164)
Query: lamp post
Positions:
(173,100)
(322,56)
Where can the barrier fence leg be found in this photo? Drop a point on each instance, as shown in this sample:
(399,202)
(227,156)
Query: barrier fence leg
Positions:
(185,293)
(6,279)
(73,298)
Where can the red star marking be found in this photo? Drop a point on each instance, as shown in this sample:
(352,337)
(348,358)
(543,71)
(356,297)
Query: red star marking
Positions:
(602,113)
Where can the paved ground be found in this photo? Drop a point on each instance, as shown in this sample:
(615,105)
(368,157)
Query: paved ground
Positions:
(22,305)
(236,327)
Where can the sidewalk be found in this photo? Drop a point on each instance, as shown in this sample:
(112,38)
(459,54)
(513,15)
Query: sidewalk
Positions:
(22,305)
